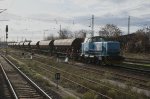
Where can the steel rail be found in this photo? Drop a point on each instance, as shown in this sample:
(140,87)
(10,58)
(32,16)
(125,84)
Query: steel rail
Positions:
(29,80)
(87,79)
(143,71)
(102,95)
(9,83)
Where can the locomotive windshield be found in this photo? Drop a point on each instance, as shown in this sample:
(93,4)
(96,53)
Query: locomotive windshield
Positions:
(99,39)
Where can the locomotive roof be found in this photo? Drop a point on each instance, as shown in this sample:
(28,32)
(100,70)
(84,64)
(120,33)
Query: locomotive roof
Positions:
(45,42)
(104,38)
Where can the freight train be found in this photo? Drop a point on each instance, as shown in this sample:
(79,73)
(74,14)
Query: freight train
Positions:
(96,49)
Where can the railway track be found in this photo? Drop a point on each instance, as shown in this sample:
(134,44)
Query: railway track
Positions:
(142,64)
(138,81)
(143,71)
(140,71)
(94,70)
(4,90)
(74,77)
(117,76)
(20,85)
(143,61)
(114,75)
(53,70)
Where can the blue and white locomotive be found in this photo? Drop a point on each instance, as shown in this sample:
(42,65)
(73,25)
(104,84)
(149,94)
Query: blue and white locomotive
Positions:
(101,50)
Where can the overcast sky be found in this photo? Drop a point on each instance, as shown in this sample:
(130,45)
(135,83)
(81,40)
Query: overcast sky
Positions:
(31,18)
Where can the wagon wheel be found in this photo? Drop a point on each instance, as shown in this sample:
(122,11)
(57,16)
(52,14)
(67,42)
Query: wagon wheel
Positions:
(96,61)
(103,61)
(88,61)
(83,59)
(106,63)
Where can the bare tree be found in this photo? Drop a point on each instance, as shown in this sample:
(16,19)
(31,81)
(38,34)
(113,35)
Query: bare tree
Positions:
(139,42)
(65,33)
(110,30)
(80,33)
(51,37)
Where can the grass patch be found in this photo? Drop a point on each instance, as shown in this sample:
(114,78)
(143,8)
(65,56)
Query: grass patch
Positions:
(90,95)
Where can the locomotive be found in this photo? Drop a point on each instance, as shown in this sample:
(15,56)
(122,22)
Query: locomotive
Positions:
(95,49)
(101,50)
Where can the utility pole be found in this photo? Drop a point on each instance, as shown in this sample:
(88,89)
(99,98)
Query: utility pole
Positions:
(128,25)
(2,10)
(44,35)
(22,38)
(92,34)
(60,30)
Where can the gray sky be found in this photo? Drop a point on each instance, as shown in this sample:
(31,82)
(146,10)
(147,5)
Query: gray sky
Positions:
(30,18)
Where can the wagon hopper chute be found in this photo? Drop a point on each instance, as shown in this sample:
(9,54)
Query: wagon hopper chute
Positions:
(26,45)
(21,45)
(46,46)
(33,46)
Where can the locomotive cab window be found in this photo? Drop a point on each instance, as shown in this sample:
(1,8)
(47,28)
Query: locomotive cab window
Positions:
(97,39)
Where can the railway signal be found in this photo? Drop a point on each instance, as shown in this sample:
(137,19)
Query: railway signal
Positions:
(6,37)
(6,31)
(6,28)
